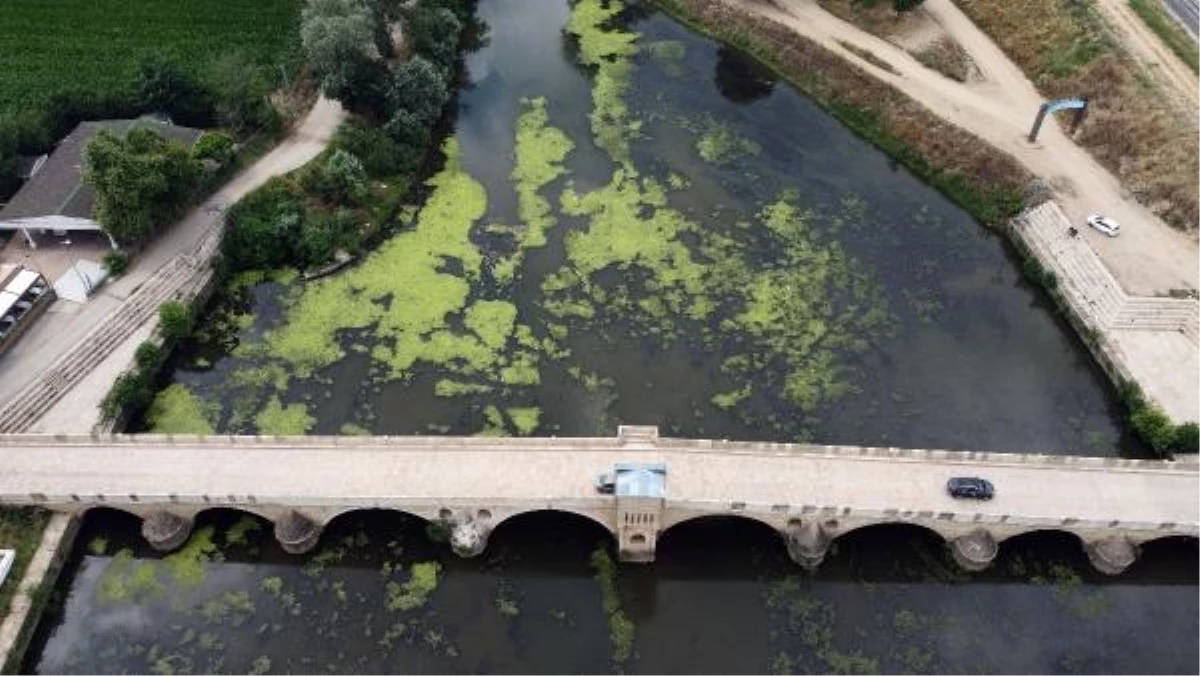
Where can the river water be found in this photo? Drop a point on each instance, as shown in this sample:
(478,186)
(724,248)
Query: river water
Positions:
(720,258)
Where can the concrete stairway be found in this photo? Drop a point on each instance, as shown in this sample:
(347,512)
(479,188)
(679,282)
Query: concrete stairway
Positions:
(169,282)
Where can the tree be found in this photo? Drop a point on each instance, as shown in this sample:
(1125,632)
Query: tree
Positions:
(341,180)
(214,145)
(174,321)
(240,91)
(1187,438)
(906,5)
(336,35)
(433,33)
(418,89)
(141,181)
(381,156)
(260,228)
(8,159)
(164,86)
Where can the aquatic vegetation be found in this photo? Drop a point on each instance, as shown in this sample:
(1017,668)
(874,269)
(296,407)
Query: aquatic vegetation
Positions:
(1069,593)
(731,399)
(353,430)
(668,54)
(620,627)
(494,426)
(261,665)
(525,419)
(236,535)
(272,584)
(415,592)
(98,546)
(506,605)
(718,144)
(540,151)
(127,579)
(608,52)
(401,290)
(175,410)
(187,565)
(452,388)
(276,418)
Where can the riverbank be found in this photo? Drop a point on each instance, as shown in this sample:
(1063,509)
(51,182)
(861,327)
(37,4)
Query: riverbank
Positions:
(986,182)
(34,590)
(930,147)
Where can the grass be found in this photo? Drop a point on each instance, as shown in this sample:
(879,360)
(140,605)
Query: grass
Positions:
(947,57)
(20,529)
(868,56)
(1174,37)
(1066,48)
(97,46)
(985,181)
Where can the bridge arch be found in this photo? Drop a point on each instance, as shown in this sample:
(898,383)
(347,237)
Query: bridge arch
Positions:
(584,514)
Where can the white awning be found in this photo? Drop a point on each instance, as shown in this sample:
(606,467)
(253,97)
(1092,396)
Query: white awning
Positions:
(7,301)
(22,281)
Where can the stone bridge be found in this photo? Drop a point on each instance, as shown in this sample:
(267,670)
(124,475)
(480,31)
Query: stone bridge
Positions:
(809,494)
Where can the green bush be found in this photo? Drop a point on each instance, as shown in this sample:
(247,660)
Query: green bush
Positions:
(130,392)
(381,157)
(214,145)
(174,321)
(261,228)
(1187,439)
(1154,427)
(149,357)
(116,262)
(341,180)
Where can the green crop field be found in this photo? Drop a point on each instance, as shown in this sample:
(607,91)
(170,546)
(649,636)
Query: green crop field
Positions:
(50,45)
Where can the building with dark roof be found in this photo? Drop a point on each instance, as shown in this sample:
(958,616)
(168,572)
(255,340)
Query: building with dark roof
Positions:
(56,198)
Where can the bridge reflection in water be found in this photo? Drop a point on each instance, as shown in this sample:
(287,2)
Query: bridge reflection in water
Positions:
(809,494)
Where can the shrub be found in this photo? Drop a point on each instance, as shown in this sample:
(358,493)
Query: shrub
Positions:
(116,262)
(164,86)
(1154,427)
(260,229)
(1187,439)
(214,145)
(380,155)
(339,180)
(149,357)
(130,392)
(174,321)
(906,5)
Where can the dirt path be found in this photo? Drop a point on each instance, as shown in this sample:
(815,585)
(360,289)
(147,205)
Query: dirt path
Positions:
(1148,258)
(1175,76)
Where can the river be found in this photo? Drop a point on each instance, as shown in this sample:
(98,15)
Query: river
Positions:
(700,248)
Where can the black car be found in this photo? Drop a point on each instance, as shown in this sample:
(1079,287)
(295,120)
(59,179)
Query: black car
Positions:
(971,487)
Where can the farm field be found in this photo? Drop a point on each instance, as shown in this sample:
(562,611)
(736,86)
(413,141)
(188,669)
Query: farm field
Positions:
(51,45)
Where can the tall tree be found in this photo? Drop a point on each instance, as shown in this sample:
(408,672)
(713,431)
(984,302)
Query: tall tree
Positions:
(338,38)
(141,181)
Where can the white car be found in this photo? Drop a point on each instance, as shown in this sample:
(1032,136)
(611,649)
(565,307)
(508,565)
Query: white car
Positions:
(1104,224)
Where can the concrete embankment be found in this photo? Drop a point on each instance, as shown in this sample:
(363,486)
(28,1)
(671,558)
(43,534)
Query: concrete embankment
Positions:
(26,608)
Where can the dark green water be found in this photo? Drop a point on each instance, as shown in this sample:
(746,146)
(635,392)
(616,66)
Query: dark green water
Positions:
(936,341)
(931,336)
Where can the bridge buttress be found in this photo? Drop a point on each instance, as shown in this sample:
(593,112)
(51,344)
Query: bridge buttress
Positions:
(807,543)
(166,531)
(974,551)
(1111,555)
(297,533)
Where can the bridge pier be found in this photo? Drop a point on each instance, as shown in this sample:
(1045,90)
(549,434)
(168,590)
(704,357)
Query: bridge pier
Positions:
(807,543)
(469,539)
(297,533)
(166,531)
(1111,555)
(974,551)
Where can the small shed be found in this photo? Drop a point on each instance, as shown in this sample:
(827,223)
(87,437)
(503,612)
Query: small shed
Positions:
(56,198)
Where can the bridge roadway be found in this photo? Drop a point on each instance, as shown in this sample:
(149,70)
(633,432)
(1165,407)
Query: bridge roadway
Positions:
(809,494)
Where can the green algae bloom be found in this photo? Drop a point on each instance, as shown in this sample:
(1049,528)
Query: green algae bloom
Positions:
(718,144)
(272,584)
(353,430)
(236,535)
(620,627)
(403,290)
(492,321)
(98,546)
(126,579)
(176,410)
(187,566)
(290,420)
(416,591)
(525,420)
(494,426)
(453,388)
(540,151)
(608,52)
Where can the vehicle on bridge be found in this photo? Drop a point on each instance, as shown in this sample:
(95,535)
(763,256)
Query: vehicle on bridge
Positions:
(971,487)
(7,557)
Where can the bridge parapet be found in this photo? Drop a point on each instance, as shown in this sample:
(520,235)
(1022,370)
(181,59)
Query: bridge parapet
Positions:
(809,494)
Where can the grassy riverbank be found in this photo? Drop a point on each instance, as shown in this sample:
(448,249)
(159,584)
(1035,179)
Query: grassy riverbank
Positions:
(20,529)
(986,182)
(1068,50)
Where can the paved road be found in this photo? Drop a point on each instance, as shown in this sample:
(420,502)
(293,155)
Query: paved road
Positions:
(67,323)
(314,471)
(1187,12)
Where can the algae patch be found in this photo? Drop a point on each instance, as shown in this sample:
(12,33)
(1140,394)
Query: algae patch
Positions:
(175,410)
